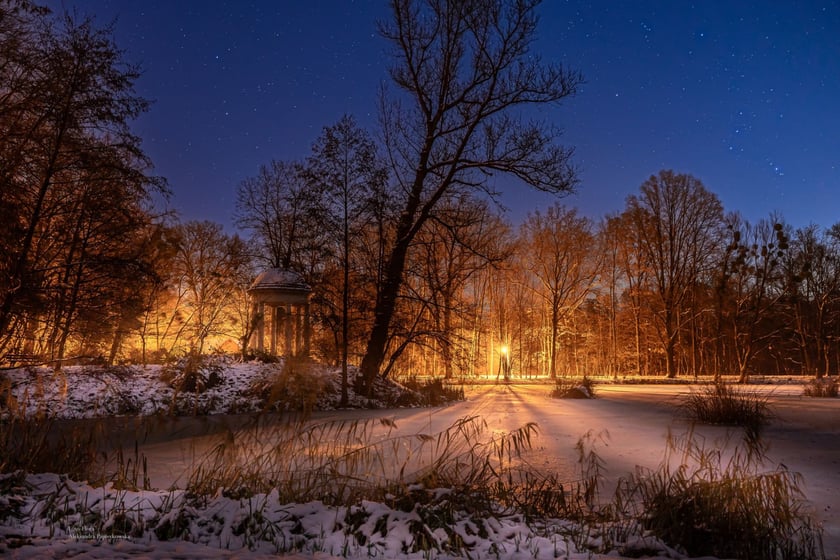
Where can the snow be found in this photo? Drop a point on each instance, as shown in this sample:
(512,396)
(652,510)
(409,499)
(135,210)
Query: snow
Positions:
(280,278)
(227,528)
(627,425)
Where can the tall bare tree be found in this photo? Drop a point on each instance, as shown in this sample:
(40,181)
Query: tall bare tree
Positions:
(464,69)
(678,223)
(345,170)
(208,265)
(560,252)
(66,100)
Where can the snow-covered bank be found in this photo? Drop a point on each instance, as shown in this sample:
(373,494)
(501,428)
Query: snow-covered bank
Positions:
(81,521)
(238,388)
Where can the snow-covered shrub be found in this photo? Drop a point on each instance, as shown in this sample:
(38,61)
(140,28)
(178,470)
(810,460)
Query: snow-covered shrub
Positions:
(573,388)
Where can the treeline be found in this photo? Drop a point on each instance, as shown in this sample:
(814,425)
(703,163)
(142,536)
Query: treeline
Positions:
(75,225)
(87,266)
(672,285)
(414,269)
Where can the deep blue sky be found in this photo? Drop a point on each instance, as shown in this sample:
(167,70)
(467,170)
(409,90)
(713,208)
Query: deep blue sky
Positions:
(743,95)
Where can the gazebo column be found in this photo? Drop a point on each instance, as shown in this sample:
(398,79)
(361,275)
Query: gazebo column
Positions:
(259,309)
(289,328)
(276,321)
(298,330)
(307,334)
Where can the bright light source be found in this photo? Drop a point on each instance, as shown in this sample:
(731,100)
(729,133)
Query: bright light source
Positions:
(504,350)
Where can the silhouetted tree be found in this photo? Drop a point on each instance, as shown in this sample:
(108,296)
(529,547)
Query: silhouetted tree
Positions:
(348,176)
(277,207)
(66,98)
(754,284)
(464,68)
(812,273)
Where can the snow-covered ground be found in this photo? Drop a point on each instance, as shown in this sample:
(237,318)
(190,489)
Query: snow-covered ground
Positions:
(627,426)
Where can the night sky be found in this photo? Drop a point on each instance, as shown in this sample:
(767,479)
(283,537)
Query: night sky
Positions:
(743,95)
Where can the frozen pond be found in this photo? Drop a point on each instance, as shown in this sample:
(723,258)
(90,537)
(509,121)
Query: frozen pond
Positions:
(629,425)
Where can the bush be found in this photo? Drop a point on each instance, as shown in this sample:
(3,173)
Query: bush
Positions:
(193,373)
(821,388)
(294,385)
(262,356)
(431,393)
(573,388)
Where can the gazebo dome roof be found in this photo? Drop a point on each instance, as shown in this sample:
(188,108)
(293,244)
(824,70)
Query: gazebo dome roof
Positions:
(280,279)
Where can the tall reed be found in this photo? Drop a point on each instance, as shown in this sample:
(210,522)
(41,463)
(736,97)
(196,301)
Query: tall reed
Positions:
(721,501)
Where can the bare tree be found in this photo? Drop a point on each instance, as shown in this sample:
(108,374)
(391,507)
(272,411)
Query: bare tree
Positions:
(678,223)
(463,67)
(276,206)
(630,278)
(812,272)
(462,239)
(66,100)
(347,174)
(753,285)
(560,253)
(208,265)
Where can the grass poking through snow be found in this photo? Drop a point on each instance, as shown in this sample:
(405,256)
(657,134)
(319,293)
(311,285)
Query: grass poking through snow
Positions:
(716,501)
(726,404)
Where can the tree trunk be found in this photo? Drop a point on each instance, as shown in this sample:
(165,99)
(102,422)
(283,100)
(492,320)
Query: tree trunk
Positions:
(345,303)
(446,348)
(386,303)
(552,352)
(670,345)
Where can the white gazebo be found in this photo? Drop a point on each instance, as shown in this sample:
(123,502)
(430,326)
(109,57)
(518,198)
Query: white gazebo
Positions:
(281,298)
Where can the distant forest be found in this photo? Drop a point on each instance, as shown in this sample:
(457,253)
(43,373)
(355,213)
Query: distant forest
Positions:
(673,285)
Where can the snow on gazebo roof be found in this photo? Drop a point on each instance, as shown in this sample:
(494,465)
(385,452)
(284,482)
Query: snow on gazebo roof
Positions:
(280,279)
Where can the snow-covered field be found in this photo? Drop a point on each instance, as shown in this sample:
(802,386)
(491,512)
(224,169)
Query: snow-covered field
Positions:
(627,426)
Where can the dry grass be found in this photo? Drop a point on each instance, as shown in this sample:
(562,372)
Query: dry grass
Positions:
(342,462)
(705,500)
(35,445)
(726,404)
(719,502)
(45,444)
